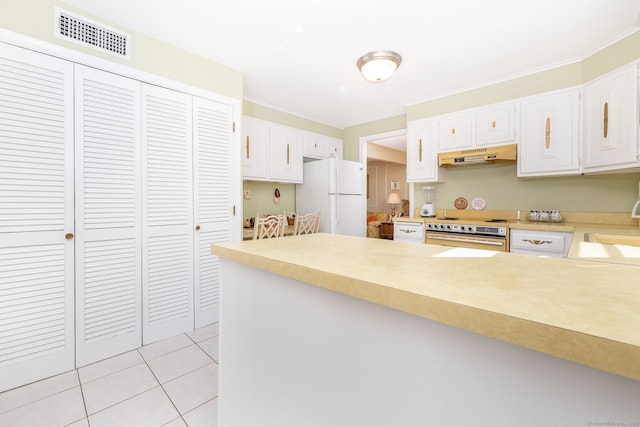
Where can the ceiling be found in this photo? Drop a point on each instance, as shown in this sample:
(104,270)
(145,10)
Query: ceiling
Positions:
(300,56)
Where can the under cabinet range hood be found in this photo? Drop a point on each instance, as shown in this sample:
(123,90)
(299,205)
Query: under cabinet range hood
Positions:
(498,154)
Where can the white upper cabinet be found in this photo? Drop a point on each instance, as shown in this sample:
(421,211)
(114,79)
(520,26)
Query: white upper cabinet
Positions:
(335,147)
(272,152)
(611,121)
(495,124)
(314,146)
(422,152)
(255,146)
(550,134)
(285,154)
(454,131)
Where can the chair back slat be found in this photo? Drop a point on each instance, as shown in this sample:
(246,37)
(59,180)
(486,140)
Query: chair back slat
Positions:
(269,226)
(306,224)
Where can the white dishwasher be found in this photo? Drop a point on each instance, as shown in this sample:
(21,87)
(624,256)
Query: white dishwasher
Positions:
(408,231)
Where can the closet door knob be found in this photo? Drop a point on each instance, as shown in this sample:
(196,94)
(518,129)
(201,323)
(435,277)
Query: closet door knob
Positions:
(68,236)
(197,228)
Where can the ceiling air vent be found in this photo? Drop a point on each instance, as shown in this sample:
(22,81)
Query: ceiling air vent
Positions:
(92,34)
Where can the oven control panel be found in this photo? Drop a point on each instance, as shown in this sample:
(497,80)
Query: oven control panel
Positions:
(486,230)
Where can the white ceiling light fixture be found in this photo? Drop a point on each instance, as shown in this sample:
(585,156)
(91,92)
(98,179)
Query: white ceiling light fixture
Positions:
(379,65)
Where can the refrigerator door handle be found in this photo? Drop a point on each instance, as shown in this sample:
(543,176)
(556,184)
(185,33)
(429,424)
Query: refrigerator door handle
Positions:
(634,210)
(337,212)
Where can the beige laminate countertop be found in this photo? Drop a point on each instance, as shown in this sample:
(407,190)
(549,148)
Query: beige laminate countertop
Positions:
(586,312)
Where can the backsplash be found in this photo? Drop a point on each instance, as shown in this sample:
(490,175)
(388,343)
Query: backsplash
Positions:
(503,190)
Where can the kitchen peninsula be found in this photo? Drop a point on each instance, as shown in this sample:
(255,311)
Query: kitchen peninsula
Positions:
(337,330)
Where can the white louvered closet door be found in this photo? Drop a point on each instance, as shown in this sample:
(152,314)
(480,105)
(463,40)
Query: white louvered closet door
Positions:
(167,254)
(36,211)
(108,215)
(212,128)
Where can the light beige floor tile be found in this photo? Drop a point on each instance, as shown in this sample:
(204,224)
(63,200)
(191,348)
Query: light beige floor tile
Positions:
(57,410)
(178,422)
(178,363)
(210,346)
(193,389)
(205,332)
(165,346)
(151,408)
(117,387)
(80,423)
(30,393)
(109,366)
(205,415)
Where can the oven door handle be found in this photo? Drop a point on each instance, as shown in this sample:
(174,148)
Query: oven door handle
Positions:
(455,239)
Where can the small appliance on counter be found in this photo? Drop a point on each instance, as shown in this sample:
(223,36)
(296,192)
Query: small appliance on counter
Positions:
(428,209)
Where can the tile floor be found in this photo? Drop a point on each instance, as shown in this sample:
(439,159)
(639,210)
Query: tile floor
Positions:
(170,383)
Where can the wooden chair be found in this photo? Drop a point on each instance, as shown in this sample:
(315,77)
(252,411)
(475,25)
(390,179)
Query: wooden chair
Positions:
(269,226)
(306,224)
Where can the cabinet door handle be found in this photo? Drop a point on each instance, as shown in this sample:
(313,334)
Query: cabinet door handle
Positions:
(493,124)
(248,147)
(537,242)
(420,151)
(453,131)
(197,228)
(606,119)
(68,236)
(547,133)
(287,153)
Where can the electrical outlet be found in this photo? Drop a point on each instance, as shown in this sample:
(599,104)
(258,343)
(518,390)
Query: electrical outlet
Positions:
(247,194)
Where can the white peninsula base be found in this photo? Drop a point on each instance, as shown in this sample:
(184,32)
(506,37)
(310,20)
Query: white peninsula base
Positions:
(296,355)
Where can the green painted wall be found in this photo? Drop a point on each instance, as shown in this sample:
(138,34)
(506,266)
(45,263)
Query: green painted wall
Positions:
(258,111)
(502,190)
(262,202)
(353,134)
(35,18)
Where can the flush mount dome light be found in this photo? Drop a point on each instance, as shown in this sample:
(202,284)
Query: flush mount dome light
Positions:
(378,66)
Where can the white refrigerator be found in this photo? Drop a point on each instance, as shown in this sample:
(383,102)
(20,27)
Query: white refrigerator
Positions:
(335,188)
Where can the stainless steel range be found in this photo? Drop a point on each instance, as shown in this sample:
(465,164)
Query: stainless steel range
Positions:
(468,233)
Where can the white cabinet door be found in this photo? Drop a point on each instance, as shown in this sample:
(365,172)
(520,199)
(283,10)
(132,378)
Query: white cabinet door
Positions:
(285,154)
(335,147)
(108,215)
(611,121)
(213,205)
(422,152)
(454,131)
(255,149)
(314,146)
(495,124)
(36,211)
(550,137)
(167,213)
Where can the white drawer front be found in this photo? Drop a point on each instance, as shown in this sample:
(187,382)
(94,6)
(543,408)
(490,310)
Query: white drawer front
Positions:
(408,231)
(539,241)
